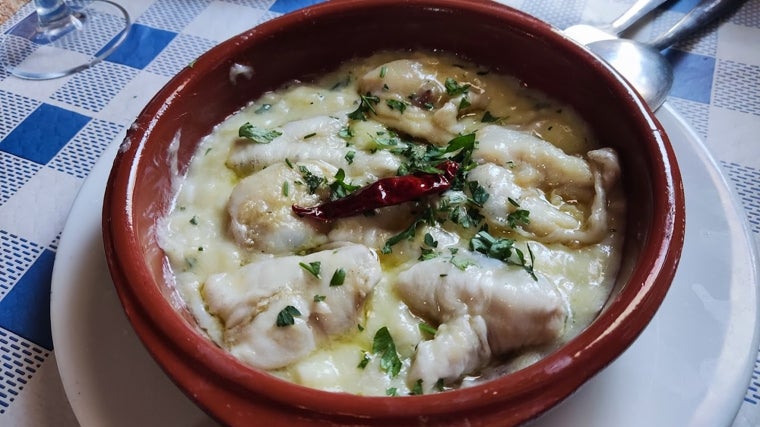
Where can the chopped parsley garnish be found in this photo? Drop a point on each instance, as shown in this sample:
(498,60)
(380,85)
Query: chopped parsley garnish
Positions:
(346,133)
(364,361)
(453,88)
(338,277)
(312,267)
(340,188)
(428,252)
(461,264)
(478,192)
(425,328)
(319,298)
(366,105)
(312,181)
(392,391)
(350,156)
(286,316)
(503,250)
(430,241)
(518,217)
(396,105)
(383,346)
(425,218)
(425,158)
(194,220)
(388,141)
(257,134)
(416,389)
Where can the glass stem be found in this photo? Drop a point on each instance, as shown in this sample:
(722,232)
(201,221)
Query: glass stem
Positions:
(52,13)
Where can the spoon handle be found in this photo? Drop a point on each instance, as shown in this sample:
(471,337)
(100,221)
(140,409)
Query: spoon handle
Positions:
(637,11)
(702,14)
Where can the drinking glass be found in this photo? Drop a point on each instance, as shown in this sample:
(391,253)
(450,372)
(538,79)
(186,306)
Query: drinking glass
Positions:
(59,39)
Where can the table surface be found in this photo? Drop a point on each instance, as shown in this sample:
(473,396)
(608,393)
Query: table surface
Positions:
(53,132)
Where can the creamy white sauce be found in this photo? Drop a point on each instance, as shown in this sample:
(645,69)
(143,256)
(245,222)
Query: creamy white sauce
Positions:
(232,229)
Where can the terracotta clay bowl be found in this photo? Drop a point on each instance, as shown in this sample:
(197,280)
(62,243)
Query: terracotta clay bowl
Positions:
(315,40)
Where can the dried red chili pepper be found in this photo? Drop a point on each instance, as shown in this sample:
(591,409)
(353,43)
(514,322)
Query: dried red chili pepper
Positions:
(384,192)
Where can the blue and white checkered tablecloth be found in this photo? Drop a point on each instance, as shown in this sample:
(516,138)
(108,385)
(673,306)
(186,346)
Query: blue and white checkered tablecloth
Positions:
(53,132)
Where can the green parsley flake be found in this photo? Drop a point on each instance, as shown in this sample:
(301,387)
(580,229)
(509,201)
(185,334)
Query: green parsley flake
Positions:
(346,133)
(350,156)
(312,181)
(396,105)
(502,249)
(453,88)
(364,361)
(518,217)
(383,346)
(312,267)
(338,277)
(366,105)
(425,328)
(340,188)
(286,316)
(417,389)
(257,134)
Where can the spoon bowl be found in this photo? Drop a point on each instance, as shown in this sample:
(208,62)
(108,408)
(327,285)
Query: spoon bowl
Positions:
(641,65)
(645,68)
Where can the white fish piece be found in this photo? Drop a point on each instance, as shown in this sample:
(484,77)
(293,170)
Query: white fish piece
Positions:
(249,300)
(260,209)
(432,112)
(312,139)
(519,167)
(295,143)
(510,148)
(517,310)
(374,230)
(460,346)
(500,184)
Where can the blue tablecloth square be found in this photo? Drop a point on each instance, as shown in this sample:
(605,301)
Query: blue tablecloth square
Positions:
(683,6)
(285,6)
(25,310)
(43,133)
(693,75)
(142,45)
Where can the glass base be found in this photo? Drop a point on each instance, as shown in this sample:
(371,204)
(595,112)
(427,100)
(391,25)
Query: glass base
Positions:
(74,43)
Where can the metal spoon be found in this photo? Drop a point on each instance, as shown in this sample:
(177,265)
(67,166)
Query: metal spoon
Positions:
(585,33)
(648,71)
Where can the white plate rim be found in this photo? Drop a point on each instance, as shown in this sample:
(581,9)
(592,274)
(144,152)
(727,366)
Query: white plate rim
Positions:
(712,409)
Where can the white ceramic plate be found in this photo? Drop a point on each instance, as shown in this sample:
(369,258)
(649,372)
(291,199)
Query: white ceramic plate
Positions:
(690,367)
